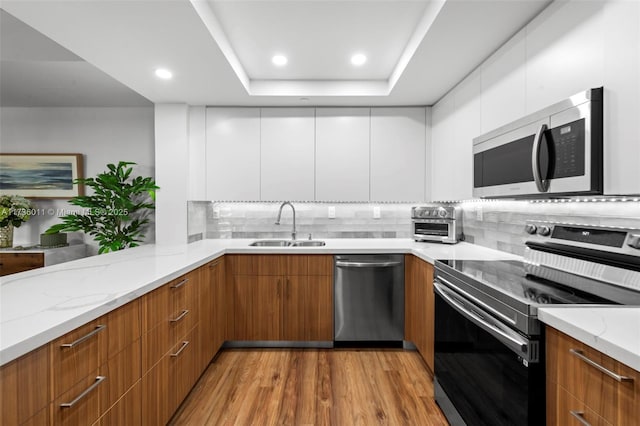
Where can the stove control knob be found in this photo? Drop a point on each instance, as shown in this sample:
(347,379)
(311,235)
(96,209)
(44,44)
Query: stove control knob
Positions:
(634,241)
(442,212)
(530,229)
(544,231)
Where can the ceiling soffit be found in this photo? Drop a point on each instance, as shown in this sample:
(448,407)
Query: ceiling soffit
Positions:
(320,36)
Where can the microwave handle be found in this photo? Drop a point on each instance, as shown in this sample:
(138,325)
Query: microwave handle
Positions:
(542,184)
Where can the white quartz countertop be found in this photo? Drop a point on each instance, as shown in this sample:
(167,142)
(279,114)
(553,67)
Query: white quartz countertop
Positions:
(613,330)
(40,305)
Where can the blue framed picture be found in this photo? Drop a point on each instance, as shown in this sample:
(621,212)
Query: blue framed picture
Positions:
(41,175)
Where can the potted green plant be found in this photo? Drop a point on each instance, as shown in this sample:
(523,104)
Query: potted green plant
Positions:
(14,211)
(116,214)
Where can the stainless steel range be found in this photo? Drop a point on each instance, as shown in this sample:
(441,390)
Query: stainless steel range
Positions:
(489,344)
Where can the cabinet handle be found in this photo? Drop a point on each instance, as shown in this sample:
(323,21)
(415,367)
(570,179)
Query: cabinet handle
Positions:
(97,330)
(215,263)
(614,376)
(180,284)
(184,345)
(580,416)
(179,317)
(99,379)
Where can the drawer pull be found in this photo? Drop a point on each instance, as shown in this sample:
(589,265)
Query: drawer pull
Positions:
(184,345)
(580,416)
(214,264)
(180,284)
(99,379)
(179,317)
(614,376)
(97,330)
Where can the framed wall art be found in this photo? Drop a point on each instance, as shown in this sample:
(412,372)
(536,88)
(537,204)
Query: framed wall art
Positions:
(41,175)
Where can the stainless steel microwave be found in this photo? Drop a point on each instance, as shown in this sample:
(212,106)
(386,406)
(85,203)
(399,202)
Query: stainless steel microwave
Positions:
(556,151)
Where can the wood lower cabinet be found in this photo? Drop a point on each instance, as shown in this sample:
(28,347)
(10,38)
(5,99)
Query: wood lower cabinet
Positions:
(419,307)
(578,391)
(281,297)
(10,263)
(213,307)
(93,366)
(24,389)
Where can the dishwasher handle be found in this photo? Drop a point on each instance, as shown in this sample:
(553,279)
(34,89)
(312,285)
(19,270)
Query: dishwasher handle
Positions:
(346,264)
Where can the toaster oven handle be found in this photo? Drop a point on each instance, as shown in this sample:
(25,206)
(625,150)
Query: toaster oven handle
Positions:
(541,184)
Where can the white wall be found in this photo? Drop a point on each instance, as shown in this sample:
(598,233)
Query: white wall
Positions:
(172,170)
(571,46)
(102,135)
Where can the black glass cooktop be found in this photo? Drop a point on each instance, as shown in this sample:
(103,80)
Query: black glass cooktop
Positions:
(509,278)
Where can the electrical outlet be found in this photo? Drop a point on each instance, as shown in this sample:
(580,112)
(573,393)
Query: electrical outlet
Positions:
(479,213)
(376,212)
(216,212)
(331,212)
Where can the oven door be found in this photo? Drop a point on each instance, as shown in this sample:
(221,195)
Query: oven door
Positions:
(485,372)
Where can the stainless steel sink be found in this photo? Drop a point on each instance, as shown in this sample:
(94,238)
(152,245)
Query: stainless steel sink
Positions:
(271,243)
(308,243)
(287,243)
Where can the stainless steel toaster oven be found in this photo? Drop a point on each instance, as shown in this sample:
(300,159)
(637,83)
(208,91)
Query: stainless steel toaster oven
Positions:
(437,223)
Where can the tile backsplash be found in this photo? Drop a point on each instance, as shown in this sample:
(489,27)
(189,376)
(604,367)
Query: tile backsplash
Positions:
(495,224)
(257,220)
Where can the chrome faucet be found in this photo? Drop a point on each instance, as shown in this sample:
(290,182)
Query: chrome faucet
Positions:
(293,234)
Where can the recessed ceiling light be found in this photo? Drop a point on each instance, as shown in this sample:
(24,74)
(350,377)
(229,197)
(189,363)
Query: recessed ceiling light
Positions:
(164,74)
(279,60)
(358,59)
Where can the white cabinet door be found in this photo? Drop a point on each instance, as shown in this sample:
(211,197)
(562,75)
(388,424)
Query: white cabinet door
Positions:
(443,157)
(233,154)
(503,79)
(621,98)
(564,48)
(342,154)
(398,154)
(287,154)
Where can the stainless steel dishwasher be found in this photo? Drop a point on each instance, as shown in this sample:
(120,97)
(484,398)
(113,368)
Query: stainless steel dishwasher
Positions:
(369,298)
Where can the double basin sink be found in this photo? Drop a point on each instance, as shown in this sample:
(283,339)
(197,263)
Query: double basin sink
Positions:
(287,243)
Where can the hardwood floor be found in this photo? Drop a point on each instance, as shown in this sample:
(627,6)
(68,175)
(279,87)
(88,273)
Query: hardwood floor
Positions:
(312,387)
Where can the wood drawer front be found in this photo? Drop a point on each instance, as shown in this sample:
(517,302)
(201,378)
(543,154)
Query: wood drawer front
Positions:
(166,302)
(172,320)
(587,384)
(170,380)
(569,409)
(320,264)
(99,390)
(24,387)
(10,263)
(126,411)
(92,345)
(268,264)
(629,394)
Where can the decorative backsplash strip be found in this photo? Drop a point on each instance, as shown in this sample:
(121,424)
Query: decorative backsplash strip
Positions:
(495,224)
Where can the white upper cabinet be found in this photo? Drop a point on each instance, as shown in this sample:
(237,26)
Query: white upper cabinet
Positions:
(398,154)
(564,46)
(503,82)
(233,154)
(342,154)
(287,154)
(622,98)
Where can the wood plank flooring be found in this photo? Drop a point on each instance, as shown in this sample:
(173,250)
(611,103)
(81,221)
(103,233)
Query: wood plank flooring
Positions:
(313,387)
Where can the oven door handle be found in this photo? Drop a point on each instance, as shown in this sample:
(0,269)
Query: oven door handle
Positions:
(516,344)
(478,302)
